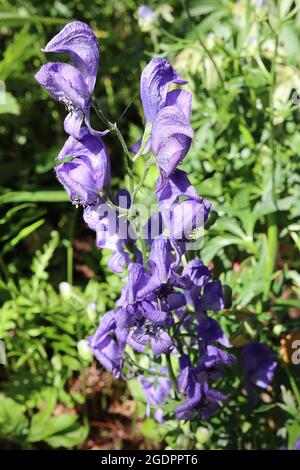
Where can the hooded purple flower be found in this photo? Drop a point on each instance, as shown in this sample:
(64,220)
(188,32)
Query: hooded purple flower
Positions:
(89,171)
(72,85)
(164,278)
(181,217)
(108,344)
(113,231)
(146,321)
(204,294)
(259,364)
(200,399)
(169,113)
(156,389)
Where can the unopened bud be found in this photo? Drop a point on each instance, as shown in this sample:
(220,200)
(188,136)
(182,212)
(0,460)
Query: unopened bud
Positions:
(227,296)
(211,219)
(65,290)
(84,350)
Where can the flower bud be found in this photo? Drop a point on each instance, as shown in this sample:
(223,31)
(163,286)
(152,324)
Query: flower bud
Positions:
(227,296)
(211,219)
(91,311)
(202,435)
(65,290)
(84,350)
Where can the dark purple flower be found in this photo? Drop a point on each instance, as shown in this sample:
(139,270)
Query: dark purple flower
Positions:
(164,278)
(210,331)
(155,80)
(259,364)
(201,400)
(72,85)
(89,171)
(108,344)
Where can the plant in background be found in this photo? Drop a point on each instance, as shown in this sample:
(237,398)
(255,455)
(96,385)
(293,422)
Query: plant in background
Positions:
(162,311)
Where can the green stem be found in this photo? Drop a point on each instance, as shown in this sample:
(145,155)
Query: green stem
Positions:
(143,179)
(272,231)
(207,51)
(70,264)
(293,385)
(114,128)
(171,373)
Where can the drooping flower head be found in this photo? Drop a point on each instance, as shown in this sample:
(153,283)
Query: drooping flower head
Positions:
(72,85)
(259,364)
(169,113)
(108,344)
(88,172)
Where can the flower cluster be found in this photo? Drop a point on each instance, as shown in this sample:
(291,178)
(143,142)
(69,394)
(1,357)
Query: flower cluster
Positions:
(162,310)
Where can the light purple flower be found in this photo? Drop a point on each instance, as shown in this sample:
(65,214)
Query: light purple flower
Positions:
(183,216)
(259,364)
(113,231)
(169,113)
(145,12)
(88,173)
(156,389)
(73,85)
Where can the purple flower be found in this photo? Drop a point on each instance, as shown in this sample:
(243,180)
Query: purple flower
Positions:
(156,389)
(113,231)
(210,331)
(259,364)
(89,171)
(181,217)
(169,113)
(147,323)
(146,18)
(200,399)
(145,12)
(72,85)
(108,344)
(164,278)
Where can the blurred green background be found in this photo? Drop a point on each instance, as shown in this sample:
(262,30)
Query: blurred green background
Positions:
(242,61)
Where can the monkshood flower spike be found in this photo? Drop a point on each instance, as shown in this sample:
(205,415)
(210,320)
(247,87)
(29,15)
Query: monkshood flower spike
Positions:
(168,309)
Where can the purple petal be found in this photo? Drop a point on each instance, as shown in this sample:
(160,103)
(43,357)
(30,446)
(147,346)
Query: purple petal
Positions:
(86,175)
(155,80)
(65,83)
(186,216)
(210,331)
(78,41)
(182,99)
(171,138)
(197,272)
(259,364)
(212,298)
(162,343)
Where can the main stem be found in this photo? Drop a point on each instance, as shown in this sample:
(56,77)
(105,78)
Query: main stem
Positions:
(114,128)
(272,231)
